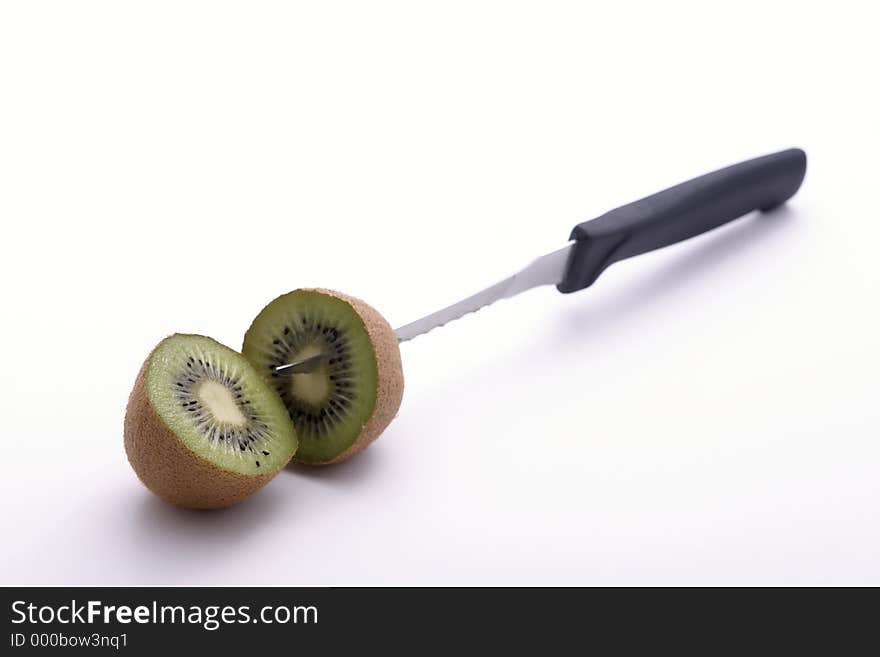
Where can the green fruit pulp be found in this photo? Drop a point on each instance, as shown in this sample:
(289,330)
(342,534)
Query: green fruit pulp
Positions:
(217,405)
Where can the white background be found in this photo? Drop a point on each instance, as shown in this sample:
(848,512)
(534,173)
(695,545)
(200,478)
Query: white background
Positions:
(706,414)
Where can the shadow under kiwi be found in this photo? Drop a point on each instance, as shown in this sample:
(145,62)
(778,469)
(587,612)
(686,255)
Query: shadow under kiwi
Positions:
(354,470)
(169,542)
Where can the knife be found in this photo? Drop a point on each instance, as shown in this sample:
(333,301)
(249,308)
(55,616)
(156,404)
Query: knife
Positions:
(675,214)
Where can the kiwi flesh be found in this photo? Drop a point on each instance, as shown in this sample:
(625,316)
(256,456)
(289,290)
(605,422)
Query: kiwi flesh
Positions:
(355,392)
(202,428)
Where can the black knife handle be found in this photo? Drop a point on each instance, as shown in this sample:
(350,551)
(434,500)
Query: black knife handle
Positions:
(680,212)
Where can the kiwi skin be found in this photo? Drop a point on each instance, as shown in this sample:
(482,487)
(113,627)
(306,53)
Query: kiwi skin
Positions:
(170,470)
(389,385)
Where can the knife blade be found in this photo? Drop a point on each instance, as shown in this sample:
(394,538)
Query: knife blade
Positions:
(546,270)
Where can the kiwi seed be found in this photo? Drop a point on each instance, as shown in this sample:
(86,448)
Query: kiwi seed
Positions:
(356,391)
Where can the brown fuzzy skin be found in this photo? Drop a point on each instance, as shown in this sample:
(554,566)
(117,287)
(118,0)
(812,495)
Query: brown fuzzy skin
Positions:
(169,469)
(389,389)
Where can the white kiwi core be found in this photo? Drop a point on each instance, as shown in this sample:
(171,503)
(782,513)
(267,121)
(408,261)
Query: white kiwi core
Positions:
(220,402)
(313,387)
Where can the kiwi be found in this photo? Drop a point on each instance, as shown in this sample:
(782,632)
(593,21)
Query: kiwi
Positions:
(202,428)
(344,404)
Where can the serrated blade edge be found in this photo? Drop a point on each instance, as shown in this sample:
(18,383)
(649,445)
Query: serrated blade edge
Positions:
(546,270)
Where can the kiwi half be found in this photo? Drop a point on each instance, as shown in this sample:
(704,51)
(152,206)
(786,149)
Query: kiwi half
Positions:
(344,404)
(202,428)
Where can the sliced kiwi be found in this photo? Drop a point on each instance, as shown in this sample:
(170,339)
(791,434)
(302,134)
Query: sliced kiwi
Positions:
(344,404)
(202,428)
